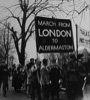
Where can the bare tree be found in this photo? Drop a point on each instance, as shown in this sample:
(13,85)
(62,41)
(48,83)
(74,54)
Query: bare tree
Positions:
(6,40)
(25,18)
(73,8)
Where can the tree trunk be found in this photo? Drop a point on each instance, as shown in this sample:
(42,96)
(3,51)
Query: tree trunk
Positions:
(22,59)
(22,55)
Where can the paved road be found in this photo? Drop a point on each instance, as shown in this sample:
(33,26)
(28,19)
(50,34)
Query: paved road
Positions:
(12,95)
(86,93)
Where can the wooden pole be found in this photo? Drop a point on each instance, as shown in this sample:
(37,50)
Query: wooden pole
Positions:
(35,31)
(89,15)
(77,43)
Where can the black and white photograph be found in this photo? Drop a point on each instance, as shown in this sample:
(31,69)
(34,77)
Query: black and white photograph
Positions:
(44,49)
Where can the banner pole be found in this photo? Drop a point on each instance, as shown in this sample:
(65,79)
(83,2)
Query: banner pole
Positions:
(77,43)
(35,32)
(89,16)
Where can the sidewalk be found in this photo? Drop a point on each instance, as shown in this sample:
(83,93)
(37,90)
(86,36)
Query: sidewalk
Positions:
(12,95)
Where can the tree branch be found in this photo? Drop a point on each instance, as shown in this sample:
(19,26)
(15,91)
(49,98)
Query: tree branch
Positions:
(29,26)
(30,32)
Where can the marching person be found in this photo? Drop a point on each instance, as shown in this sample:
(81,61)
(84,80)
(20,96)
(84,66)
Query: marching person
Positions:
(35,86)
(1,74)
(54,79)
(45,80)
(38,86)
(29,66)
(5,79)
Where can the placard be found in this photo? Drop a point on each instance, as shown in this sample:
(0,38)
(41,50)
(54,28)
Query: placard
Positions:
(53,35)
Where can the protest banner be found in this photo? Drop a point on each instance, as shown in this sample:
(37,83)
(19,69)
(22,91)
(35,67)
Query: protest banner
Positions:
(53,35)
(83,37)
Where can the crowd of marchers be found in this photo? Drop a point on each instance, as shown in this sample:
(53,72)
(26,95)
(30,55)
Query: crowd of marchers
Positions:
(38,79)
(45,79)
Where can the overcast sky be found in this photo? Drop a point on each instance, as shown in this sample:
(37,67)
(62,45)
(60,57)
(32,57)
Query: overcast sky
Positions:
(31,46)
(7,2)
(84,24)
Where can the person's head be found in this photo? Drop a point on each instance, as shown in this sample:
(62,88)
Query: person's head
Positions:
(53,61)
(45,62)
(32,60)
(38,64)
(5,66)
